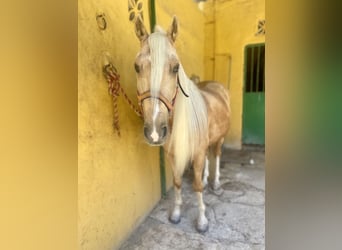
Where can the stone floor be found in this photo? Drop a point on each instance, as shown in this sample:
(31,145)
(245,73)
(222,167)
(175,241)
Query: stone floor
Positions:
(236,211)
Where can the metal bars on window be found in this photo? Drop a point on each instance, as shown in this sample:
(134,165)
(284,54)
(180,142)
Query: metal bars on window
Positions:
(255,68)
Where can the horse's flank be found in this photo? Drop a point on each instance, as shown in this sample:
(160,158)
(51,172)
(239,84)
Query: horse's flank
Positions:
(218,108)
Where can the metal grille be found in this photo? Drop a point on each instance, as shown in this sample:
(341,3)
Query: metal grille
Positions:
(255,68)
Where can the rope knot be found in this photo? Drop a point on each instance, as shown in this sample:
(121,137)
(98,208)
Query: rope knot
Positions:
(113,79)
(114,88)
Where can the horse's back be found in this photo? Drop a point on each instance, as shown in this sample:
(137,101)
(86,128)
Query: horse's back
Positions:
(218,107)
(215,94)
(216,90)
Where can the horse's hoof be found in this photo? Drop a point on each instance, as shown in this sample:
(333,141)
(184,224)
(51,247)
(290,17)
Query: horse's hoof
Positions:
(174,219)
(202,228)
(202,225)
(216,185)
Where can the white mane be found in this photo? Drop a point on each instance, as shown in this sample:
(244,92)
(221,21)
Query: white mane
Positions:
(190,123)
(157,43)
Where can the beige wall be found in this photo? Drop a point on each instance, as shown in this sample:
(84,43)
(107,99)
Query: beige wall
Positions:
(230,26)
(119,179)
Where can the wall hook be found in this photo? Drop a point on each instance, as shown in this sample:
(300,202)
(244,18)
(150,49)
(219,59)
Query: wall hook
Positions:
(101,21)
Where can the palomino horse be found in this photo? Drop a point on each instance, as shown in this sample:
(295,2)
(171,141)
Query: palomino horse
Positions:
(189,121)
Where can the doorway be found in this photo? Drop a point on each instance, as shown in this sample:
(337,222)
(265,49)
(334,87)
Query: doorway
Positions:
(253,118)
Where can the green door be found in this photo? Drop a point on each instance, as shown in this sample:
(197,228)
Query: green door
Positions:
(253,118)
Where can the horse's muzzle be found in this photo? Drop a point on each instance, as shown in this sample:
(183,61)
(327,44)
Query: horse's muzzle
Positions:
(155,136)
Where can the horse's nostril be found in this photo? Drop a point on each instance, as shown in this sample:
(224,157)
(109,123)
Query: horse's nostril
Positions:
(146,132)
(164,131)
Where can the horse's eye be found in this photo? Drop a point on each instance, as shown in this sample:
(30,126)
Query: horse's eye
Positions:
(137,68)
(175,68)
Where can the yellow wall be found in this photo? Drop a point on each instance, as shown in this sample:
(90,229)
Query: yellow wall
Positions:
(230,26)
(119,179)
(190,41)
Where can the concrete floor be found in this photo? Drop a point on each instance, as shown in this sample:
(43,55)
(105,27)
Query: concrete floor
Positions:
(236,211)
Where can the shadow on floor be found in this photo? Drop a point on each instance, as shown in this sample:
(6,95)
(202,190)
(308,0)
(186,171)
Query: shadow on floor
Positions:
(236,211)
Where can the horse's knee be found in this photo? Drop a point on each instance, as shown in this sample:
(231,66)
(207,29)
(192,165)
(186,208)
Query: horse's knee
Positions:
(197,186)
(177,183)
(218,147)
(197,183)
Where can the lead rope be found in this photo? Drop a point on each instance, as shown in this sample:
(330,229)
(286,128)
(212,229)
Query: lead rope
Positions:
(114,89)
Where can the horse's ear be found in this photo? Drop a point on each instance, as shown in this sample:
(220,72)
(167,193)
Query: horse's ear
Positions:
(140,29)
(173,30)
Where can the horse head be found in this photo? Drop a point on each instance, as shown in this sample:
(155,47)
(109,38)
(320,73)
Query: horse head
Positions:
(156,67)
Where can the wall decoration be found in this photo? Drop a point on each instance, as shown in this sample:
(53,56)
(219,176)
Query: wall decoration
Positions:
(135,9)
(261,28)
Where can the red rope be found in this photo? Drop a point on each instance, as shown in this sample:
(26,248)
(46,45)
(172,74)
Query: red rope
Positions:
(114,89)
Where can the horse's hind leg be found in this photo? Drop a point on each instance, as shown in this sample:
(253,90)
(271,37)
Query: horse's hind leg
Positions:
(202,221)
(206,171)
(217,153)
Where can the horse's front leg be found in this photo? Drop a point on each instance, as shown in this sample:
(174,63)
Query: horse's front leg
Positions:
(175,216)
(202,221)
